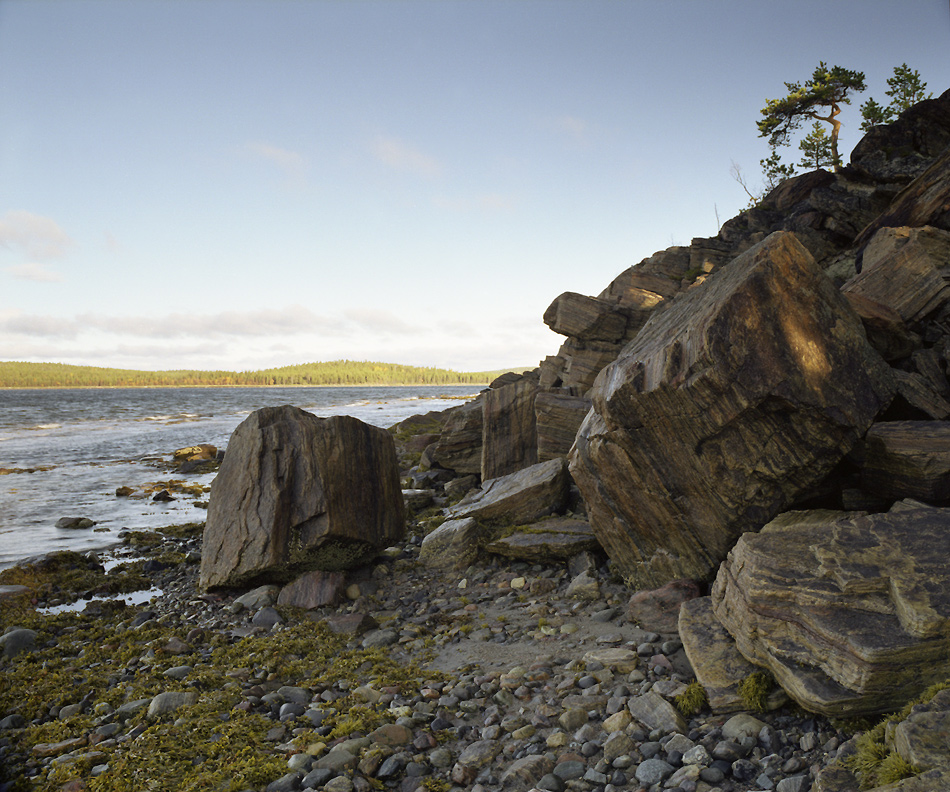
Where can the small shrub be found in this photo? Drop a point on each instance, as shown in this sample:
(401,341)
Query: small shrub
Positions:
(754,690)
(692,700)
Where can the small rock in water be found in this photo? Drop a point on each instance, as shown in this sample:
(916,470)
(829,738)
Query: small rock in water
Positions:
(74,522)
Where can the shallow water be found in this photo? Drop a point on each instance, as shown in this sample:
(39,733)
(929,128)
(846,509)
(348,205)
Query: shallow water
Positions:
(84,444)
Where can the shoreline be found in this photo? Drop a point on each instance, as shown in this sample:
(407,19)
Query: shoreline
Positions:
(493,677)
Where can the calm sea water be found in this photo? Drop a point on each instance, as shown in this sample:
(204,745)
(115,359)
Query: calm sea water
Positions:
(94,441)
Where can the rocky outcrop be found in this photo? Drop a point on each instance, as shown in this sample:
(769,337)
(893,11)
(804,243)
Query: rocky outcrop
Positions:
(296,492)
(903,150)
(727,405)
(903,268)
(849,611)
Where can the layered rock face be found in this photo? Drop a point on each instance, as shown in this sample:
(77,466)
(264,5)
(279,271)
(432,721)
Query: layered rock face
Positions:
(295,493)
(726,406)
(849,611)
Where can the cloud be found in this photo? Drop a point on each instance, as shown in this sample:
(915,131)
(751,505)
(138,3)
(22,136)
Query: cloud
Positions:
(380,321)
(292,163)
(288,321)
(403,157)
(40,237)
(34,271)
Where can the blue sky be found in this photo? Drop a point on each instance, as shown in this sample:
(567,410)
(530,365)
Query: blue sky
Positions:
(236,185)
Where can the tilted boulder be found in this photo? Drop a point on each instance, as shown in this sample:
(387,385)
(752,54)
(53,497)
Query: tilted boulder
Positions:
(295,493)
(741,395)
(923,202)
(586,318)
(518,498)
(509,429)
(849,611)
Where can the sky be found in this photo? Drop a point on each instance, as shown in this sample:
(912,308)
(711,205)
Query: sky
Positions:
(208,184)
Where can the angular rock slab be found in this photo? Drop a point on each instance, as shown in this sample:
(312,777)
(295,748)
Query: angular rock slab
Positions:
(517,498)
(295,493)
(586,318)
(908,459)
(742,394)
(849,611)
(559,415)
(548,541)
(717,663)
(453,545)
(903,270)
(460,446)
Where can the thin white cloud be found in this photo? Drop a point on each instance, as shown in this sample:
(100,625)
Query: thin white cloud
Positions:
(39,237)
(380,321)
(293,164)
(291,320)
(34,271)
(403,157)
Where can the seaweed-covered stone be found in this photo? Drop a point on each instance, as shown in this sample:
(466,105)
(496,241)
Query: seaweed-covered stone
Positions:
(295,493)
(849,611)
(728,405)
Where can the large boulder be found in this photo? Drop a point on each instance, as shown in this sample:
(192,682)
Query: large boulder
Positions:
(849,611)
(296,492)
(586,318)
(744,393)
(509,429)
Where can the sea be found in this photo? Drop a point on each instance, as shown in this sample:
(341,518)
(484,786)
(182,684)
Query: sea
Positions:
(70,449)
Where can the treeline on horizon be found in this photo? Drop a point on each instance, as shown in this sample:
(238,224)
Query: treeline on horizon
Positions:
(15,374)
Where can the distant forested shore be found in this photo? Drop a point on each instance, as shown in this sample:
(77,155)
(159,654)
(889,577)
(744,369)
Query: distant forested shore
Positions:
(338,372)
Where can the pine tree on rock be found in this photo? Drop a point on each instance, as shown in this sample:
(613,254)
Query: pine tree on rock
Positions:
(826,91)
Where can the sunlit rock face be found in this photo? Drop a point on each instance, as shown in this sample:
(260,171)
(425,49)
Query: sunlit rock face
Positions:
(738,397)
(296,493)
